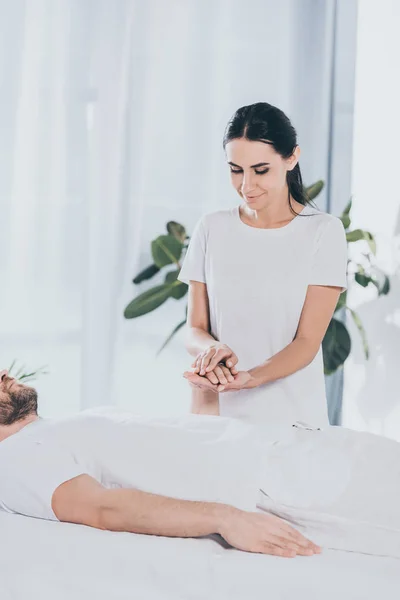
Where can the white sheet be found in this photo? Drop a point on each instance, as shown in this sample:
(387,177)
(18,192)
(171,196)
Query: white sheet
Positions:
(340,487)
(42,560)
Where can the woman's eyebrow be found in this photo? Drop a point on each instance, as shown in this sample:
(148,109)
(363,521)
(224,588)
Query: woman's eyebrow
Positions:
(252,166)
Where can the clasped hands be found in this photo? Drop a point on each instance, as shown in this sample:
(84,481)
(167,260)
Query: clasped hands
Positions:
(215,369)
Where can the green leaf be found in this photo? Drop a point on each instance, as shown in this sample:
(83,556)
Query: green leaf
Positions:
(381,281)
(25,377)
(169,338)
(166,250)
(147,273)
(341,303)
(362,279)
(361,329)
(313,190)
(360,234)
(19,372)
(10,368)
(178,288)
(345,216)
(177,231)
(172,276)
(336,346)
(378,278)
(147,302)
(386,287)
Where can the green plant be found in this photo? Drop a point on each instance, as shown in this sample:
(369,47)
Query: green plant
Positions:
(168,250)
(20,373)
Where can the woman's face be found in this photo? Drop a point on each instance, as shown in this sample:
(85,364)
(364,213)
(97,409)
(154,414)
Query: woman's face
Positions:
(258,172)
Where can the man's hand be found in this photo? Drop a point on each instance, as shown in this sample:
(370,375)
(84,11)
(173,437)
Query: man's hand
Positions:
(217,353)
(242,380)
(265,534)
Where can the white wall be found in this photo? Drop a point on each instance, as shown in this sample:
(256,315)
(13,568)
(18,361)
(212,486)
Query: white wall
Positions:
(112,119)
(372,391)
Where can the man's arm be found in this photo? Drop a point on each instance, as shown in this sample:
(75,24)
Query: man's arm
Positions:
(198,339)
(83,500)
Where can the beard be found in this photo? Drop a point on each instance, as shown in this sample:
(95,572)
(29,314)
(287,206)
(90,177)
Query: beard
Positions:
(17,404)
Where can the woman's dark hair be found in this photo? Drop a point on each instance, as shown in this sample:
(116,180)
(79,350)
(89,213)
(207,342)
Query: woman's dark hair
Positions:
(262,122)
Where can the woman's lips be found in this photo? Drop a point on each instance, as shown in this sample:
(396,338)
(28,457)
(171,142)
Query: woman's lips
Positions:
(252,197)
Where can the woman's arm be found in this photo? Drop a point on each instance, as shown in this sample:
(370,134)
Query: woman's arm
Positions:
(318,309)
(198,336)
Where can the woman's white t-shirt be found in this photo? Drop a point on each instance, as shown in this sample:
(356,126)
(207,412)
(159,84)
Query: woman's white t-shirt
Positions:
(257,281)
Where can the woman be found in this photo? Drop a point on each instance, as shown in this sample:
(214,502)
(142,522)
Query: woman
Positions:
(264,280)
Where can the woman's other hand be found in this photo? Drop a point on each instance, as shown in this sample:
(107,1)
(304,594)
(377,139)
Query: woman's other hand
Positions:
(221,375)
(209,359)
(242,380)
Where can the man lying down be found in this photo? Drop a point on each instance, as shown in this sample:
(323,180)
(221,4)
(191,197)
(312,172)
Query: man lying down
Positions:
(285,491)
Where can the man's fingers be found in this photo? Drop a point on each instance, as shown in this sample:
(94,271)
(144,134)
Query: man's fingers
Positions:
(227,373)
(298,548)
(199,381)
(220,375)
(212,377)
(268,548)
(303,542)
(288,534)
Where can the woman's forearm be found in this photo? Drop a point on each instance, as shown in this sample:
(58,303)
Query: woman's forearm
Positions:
(297,355)
(140,512)
(198,340)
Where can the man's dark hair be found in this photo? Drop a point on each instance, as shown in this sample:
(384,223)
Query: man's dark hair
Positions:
(17,404)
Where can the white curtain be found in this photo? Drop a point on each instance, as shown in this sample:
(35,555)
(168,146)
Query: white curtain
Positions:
(112,116)
(371,398)
(66,220)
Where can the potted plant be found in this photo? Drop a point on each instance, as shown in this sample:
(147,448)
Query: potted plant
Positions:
(24,375)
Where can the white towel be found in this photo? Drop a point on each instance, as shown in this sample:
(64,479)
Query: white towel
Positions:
(340,488)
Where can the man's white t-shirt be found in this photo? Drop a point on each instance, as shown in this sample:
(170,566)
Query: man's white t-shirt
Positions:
(192,457)
(257,282)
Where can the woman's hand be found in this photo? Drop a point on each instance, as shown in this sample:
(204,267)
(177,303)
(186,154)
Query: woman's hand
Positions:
(217,353)
(221,375)
(242,380)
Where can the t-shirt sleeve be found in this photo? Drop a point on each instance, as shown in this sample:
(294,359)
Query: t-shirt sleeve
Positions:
(193,267)
(329,261)
(31,476)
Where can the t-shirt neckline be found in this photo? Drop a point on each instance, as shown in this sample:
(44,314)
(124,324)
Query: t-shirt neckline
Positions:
(268,230)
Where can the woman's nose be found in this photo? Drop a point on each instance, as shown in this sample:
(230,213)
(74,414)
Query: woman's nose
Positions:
(248,183)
